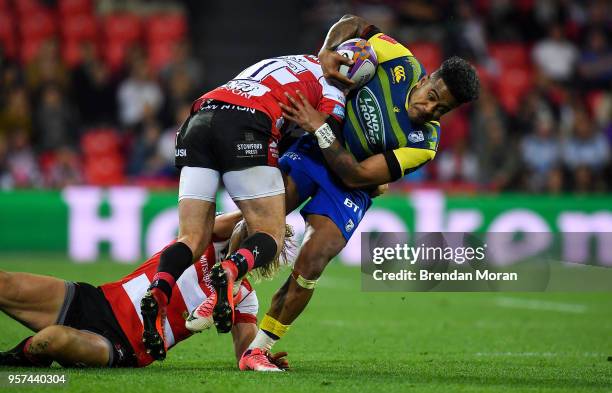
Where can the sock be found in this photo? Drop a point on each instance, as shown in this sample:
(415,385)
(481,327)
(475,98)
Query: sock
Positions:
(255,251)
(240,262)
(164,282)
(263,340)
(19,356)
(174,260)
(270,331)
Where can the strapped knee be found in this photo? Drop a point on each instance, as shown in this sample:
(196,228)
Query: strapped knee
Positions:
(303,282)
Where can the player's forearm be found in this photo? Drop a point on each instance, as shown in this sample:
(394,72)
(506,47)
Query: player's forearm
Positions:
(243,334)
(225,223)
(352,173)
(349,26)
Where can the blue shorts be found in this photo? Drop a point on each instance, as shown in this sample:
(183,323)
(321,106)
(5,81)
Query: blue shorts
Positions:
(329,197)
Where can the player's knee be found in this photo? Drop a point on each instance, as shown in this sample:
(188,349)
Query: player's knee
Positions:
(50,341)
(312,272)
(315,261)
(332,247)
(312,260)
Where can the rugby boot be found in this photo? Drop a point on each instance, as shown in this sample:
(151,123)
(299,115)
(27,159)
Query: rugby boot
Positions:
(153,311)
(200,317)
(222,277)
(257,359)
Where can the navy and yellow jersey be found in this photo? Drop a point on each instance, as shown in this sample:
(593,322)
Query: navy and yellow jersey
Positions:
(376,114)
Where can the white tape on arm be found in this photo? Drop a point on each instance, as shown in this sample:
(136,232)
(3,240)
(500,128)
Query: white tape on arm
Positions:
(325,136)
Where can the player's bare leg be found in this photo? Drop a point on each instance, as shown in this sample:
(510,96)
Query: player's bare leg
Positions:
(322,242)
(20,298)
(266,227)
(70,347)
(292,197)
(196,220)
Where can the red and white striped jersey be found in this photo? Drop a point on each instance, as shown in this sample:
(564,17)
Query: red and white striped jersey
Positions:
(191,289)
(262,85)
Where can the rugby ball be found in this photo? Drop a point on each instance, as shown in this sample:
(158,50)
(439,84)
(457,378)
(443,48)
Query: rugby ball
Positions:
(365,62)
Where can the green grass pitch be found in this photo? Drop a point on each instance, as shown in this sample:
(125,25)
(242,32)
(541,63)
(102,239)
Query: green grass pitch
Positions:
(352,341)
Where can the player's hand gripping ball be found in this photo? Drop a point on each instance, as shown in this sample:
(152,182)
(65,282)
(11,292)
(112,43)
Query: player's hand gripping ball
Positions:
(364,58)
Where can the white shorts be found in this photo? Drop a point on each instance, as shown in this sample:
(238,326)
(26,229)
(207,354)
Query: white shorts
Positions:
(251,183)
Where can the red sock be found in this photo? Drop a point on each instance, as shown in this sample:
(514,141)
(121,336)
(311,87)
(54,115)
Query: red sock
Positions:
(167,277)
(164,282)
(26,346)
(240,266)
(34,359)
(248,255)
(231,266)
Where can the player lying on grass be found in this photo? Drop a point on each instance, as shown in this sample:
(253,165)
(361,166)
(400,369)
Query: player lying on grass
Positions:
(77,324)
(391,129)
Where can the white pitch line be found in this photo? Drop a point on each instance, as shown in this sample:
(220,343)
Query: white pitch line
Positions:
(541,305)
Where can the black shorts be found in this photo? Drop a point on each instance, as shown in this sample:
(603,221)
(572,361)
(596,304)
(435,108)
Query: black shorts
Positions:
(226,137)
(86,308)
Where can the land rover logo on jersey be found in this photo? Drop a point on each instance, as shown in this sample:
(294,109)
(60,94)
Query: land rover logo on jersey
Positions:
(416,136)
(370,118)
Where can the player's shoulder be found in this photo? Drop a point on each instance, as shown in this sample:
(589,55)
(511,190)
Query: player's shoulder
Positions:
(386,47)
(396,59)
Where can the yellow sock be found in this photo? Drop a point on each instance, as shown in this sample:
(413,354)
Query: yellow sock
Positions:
(273,326)
(270,331)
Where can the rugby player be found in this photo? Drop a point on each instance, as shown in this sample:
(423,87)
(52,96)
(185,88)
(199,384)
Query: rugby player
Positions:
(77,324)
(392,129)
(232,134)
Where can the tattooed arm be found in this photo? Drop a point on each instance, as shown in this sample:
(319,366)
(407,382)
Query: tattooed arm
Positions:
(375,170)
(372,171)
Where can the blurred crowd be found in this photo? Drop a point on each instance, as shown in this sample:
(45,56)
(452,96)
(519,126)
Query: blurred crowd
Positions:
(102,110)
(543,122)
(101,106)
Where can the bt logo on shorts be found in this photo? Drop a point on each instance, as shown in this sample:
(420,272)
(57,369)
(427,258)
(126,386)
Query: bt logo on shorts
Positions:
(351,205)
(180,153)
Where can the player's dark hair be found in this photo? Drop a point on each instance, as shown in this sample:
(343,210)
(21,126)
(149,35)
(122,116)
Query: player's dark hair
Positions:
(460,78)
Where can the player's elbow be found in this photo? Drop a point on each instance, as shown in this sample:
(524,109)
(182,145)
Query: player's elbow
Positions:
(357,21)
(350,183)
(348,17)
